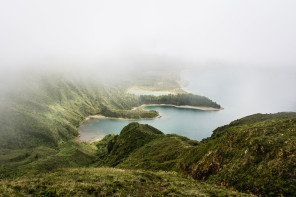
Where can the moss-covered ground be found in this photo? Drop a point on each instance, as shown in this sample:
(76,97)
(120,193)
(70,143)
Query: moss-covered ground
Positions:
(39,155)
(109,182)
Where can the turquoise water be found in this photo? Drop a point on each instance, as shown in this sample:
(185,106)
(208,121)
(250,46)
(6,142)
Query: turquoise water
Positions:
(173,120)
(240,92)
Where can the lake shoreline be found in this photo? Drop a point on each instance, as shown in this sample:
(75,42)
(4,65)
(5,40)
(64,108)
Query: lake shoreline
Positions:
(93,117)
(78,138)
(180,106)
(114,118)
(147,105)
(132,91)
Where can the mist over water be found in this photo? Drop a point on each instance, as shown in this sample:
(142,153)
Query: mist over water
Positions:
(241,92)
(65,62)
(241,54)
(97,33)
(245,90)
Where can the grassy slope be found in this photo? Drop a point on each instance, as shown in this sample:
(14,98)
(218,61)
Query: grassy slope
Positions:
(38,122)
(38,119)
(48,114)
(258,157)
(253,154)
(131,138)
(256,153)
(161,154)
(42,159)
(108,182)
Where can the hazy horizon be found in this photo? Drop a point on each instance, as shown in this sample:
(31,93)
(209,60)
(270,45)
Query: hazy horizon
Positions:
(111,39)
(91,33)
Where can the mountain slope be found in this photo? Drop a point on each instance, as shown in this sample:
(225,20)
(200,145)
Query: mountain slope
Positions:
(109,182)
(254,154)
(38,125)
(130,139)
(48,113)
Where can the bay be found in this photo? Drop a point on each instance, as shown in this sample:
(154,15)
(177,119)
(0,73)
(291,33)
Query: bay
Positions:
(241,92)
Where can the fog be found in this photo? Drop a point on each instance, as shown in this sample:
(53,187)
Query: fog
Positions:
(244,33)
(112,38)
(239,53)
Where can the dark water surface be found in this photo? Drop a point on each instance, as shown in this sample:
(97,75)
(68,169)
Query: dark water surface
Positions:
(241,92)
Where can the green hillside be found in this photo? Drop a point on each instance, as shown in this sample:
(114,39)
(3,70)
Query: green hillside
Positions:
(257,157)
(109,182)
(40,156)
(254,154)
(48,112)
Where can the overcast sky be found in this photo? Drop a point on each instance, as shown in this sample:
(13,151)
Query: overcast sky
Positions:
(243,32)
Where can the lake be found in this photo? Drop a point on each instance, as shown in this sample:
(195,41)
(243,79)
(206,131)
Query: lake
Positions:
(240,92)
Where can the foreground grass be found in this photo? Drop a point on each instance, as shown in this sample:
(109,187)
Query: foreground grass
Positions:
(253,154)
(109,182)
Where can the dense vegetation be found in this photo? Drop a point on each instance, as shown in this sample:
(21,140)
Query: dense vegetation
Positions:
(48,112)
(39,156)
(254,154)
(109,182)
(179,99)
